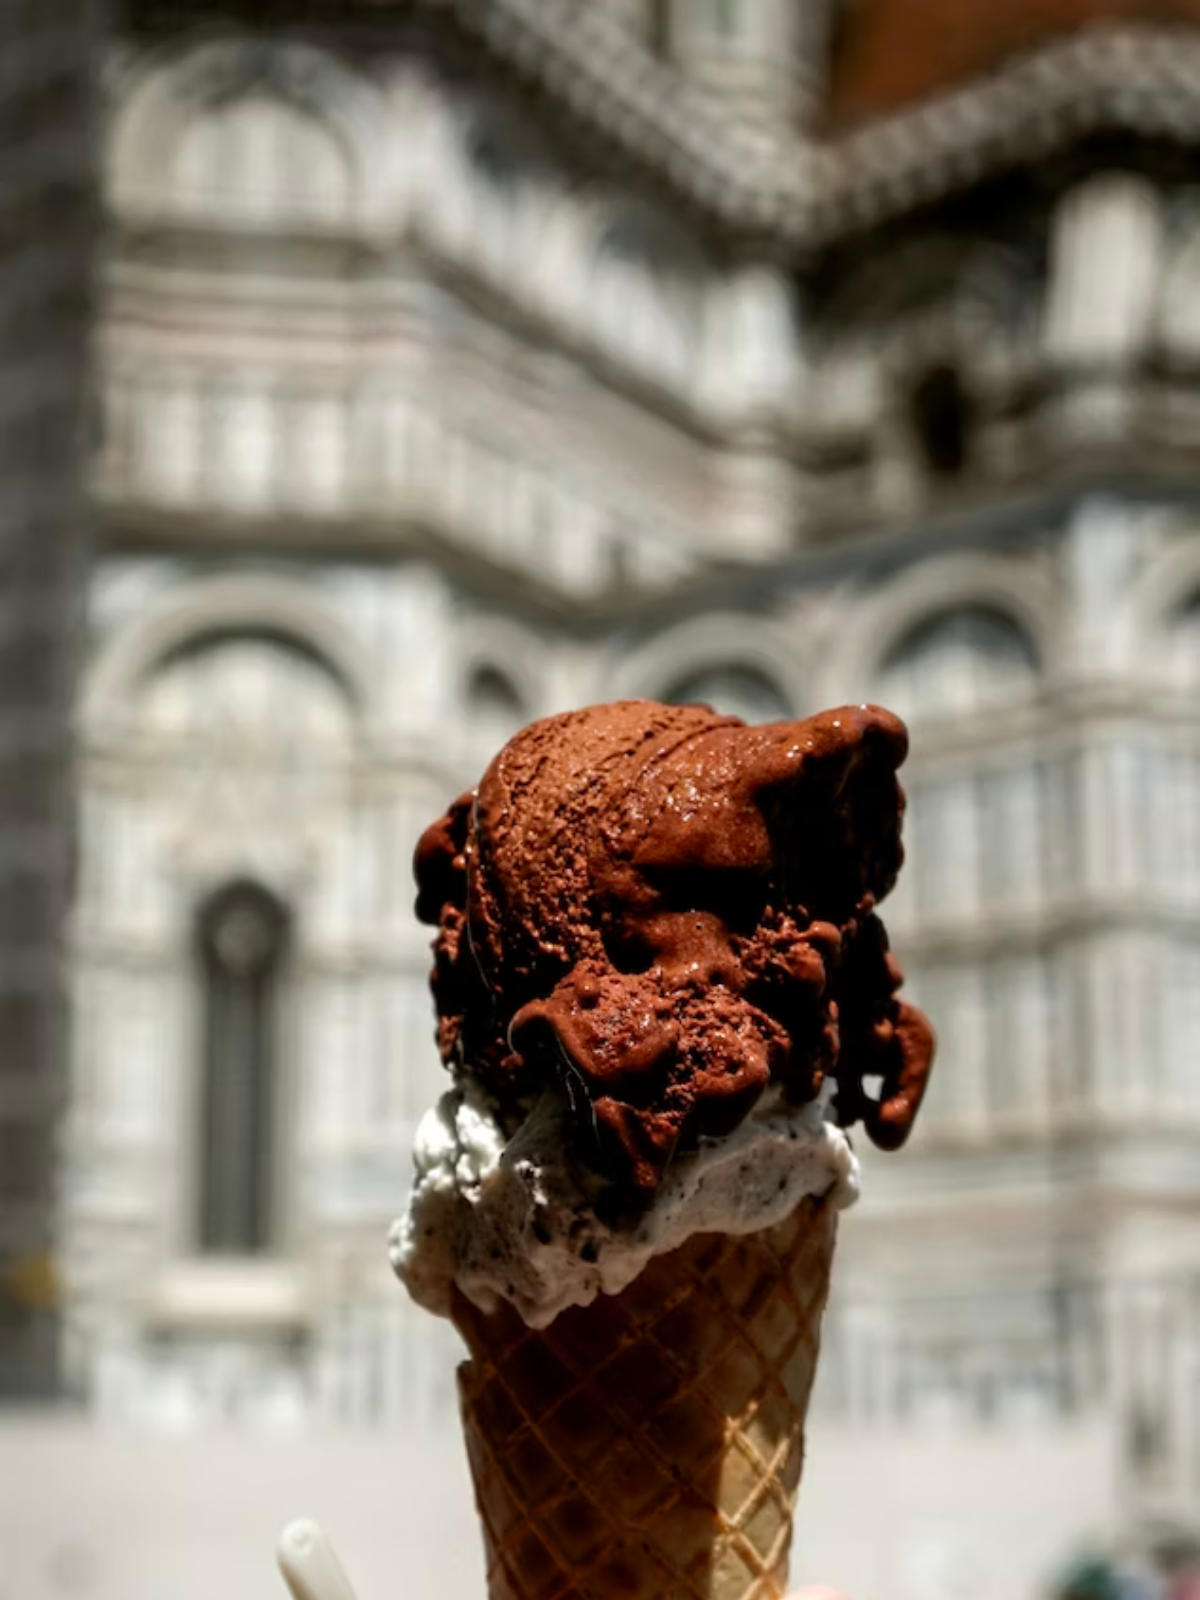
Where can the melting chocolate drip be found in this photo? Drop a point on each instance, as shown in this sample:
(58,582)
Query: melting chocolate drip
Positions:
(666,910)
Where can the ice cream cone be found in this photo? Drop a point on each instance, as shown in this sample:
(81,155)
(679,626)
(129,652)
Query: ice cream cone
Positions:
(649,1446)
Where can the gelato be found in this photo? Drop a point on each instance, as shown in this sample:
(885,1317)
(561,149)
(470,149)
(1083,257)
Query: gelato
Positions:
(663,992)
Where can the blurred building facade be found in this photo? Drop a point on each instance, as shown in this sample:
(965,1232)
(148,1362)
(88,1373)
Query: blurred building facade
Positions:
(462,362)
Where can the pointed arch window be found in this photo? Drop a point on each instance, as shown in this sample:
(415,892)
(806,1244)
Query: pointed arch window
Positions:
(242,942)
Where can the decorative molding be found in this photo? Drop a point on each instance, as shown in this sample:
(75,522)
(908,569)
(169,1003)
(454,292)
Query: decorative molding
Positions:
(171,90)
(707,642)
(785,192)
(1141,81)
(803,195)
(878,622)
(227,603)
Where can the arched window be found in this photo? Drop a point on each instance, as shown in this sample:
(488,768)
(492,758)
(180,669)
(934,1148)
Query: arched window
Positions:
(956,663)
(735,690)
(258,160)
(242,941)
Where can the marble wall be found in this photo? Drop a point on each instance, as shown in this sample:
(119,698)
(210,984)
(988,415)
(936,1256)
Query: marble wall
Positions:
(412,433)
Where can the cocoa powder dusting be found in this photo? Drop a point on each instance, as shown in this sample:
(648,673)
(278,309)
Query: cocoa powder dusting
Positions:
(665,910)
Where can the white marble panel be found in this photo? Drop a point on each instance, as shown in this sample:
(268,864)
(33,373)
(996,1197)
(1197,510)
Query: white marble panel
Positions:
(948,829)
(328,1043)
(957,1099)
(1064,793)
(1011,846)
(168,442)
(312,466)
(243,438)
(258,160)
(1019,1040)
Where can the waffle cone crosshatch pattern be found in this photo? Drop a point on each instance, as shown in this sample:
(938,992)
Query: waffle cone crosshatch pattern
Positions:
(651,1444)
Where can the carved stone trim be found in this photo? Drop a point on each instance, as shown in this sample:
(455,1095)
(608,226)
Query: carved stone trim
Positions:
(801,195)
(928,588)
(221,604)
(788,193)
(1141,81)
(710,640)
(149,119)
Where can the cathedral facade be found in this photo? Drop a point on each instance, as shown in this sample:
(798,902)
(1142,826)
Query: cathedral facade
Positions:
(458,363)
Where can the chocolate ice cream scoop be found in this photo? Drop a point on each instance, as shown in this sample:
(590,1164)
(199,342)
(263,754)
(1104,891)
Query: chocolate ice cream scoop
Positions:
(663,911)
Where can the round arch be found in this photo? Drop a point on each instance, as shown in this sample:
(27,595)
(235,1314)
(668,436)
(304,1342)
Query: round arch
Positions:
(492,644)
(174,89)
(879,622)
(223,604)
(725,639)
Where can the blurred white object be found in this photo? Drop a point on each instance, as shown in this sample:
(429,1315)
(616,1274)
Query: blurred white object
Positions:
(309,1566)
(313,1572)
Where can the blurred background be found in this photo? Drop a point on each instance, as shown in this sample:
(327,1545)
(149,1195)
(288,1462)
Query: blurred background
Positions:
(380,375)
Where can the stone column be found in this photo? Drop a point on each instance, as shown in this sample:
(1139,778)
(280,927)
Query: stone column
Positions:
(45,229)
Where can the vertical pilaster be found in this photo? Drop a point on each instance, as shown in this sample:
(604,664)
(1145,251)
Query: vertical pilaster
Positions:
(1101,303)
(1104,269)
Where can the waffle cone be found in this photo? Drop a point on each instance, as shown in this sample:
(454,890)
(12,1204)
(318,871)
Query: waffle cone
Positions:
(649,1446)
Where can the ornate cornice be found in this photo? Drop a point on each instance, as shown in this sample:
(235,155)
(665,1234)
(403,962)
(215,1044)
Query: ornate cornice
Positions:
(1140,81)
(614,88)
(804,194)
(790,193)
